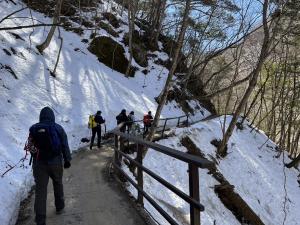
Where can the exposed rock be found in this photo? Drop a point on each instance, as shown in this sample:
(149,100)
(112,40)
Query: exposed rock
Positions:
(9,69)
(145,71)
(6,52)
(110,53)
(68,7)
(16,36)
(165,63)
(169,45)
(108,29)
(181,98)
(76,30)
(87,23)
(140,55)
(112,19)
(139,48)
(195,87)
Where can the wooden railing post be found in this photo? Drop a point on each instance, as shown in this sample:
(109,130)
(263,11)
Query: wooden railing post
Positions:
(122,147)
(128,131)
(187,120)
(140,179)
(117,160)
(194,192)
(164,128)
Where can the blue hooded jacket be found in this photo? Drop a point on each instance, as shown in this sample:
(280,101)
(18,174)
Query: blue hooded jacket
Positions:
(47,117)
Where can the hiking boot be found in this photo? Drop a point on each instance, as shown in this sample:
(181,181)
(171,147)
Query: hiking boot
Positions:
(60,211)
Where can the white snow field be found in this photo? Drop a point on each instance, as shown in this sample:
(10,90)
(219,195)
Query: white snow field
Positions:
(83,86)
(251,166)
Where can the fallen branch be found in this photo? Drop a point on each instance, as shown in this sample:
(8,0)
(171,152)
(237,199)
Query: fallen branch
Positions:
(28,26)
(22,160)
(15,12)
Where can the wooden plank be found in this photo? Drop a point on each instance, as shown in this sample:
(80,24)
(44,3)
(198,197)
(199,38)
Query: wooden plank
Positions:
(196,160)
(194,192)
(168,185)
(140,179)
(148,197)
(116,156)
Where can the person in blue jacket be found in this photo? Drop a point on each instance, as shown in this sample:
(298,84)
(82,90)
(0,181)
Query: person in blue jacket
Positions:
(52,156)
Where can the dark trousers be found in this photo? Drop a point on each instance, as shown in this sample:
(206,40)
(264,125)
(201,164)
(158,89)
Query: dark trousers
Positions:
(146,128)
(96,130)
(41,175)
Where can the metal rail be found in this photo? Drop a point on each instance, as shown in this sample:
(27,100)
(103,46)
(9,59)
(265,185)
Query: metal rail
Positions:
(194,163)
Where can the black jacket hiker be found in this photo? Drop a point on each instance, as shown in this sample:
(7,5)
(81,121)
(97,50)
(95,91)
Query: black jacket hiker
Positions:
(122,118)
(47,165)
(97,130)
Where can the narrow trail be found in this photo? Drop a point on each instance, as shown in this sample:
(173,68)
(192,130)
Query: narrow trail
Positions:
(92,198)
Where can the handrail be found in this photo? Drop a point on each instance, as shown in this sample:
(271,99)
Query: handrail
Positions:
(202,163)
(193,161)
(164,125)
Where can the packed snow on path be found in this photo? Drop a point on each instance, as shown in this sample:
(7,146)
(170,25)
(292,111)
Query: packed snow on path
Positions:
(83,86)
(251,166)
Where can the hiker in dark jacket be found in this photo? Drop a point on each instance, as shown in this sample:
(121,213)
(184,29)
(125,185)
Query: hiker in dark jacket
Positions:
(97,129)
(131,120)
(122,118)
(49,162)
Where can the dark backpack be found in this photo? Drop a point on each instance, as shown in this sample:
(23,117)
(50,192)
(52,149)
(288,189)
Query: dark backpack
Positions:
(47,140)
(118,118)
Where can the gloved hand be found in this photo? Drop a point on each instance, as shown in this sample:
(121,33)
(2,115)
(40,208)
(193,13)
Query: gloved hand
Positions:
(67,165)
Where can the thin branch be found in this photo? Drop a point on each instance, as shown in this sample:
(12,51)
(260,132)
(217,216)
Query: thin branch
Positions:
(15,12)
(28,26)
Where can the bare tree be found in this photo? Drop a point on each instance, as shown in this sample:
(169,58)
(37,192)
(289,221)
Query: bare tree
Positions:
(264,52)
(132,8)
(56,19)
(165,91)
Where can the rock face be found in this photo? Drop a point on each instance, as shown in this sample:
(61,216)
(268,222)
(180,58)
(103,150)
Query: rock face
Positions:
(139,49)
(108,29)
(112,19)
(110,53)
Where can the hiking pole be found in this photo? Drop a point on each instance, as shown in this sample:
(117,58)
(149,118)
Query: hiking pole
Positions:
(30,161)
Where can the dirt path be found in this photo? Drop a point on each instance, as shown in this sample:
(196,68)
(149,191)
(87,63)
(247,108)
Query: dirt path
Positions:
(91,197)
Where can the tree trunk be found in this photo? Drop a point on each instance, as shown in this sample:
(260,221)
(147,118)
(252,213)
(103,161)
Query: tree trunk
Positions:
(167,86)
(294,162)
(252,83)
(131,16)
(56,19)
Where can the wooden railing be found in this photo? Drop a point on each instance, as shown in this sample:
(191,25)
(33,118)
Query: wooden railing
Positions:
(194,163)
(164,125)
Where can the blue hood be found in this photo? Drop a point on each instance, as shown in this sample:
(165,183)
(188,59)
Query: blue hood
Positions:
(47,115)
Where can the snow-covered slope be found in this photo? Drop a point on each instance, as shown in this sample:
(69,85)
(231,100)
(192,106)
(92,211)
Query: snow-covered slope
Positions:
(251,166)
(83,86)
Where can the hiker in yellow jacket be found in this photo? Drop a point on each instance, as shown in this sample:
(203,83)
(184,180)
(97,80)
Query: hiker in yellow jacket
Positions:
(95,122)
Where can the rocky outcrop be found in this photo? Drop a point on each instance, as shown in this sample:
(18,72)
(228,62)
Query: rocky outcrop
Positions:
(110,53)
(139,48)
